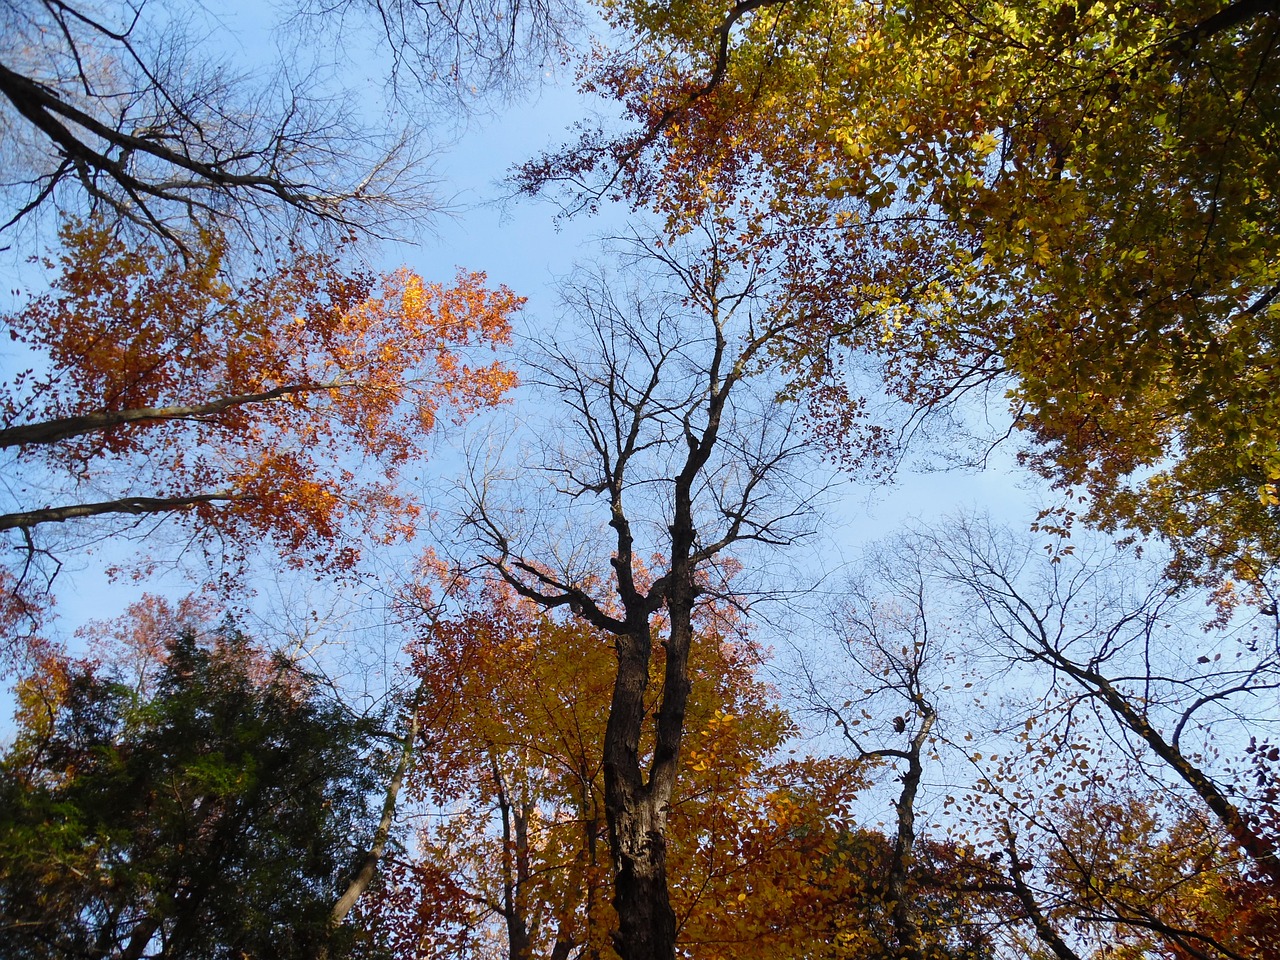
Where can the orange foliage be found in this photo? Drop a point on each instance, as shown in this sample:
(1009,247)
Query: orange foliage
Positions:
(133,645)
(1173,889)
(278,409)
(514,709)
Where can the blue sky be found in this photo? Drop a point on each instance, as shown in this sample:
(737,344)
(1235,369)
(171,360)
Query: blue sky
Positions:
(520,242)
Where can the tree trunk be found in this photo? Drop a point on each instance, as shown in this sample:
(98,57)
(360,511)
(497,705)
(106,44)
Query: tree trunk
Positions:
(636,817)
(904,912)
(373,856)
(637,811)
(646,922)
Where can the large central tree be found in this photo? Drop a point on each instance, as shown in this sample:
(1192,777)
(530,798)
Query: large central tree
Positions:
(674,447)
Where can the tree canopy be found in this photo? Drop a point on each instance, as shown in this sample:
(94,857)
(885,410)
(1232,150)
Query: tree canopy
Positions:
(216,807)
(278,409)
(850,229)
(1071,202)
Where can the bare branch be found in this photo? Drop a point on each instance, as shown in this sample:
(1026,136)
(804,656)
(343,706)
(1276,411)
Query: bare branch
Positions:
(136,506)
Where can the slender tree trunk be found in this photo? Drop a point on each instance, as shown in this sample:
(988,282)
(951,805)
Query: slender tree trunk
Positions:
(904,913)
(373,856)
(515,860)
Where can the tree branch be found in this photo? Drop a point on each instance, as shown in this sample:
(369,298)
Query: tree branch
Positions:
(52,431)
(137,506)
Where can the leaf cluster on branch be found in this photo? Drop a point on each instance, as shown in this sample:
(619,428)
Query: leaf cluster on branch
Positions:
(277,410)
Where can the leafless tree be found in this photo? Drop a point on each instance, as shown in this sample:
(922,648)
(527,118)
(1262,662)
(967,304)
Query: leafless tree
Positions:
(1127,646)
(672,449)
(878,681)
(461,52)
(1119,719)
(124,109)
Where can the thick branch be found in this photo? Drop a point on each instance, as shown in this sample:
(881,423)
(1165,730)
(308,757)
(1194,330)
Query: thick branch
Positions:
(137,506)
(41,107)
(1232,15)
(1261,850)
(199,167)
(1044,930)
(64,428)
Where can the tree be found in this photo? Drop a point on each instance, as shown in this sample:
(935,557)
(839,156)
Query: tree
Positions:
(517,771)
(511,862)
(509,858)
(1115,185)
(1105,793)
(244,410)
(1106,643)
(1073,202)
(881,682)
(126,112)
(684,452)
(461,51)
(212,810)
(1186,895)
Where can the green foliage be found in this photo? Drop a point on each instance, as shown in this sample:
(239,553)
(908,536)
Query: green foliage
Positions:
(213,818)
(1116,186)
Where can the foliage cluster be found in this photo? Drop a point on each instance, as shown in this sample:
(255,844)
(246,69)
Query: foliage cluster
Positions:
(1071,202)
(279,409)
(203,803)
